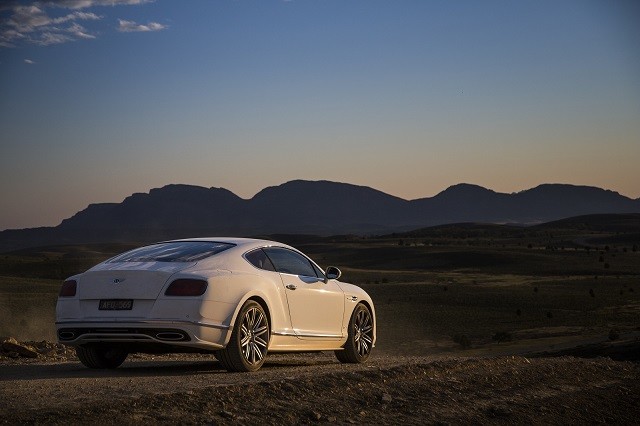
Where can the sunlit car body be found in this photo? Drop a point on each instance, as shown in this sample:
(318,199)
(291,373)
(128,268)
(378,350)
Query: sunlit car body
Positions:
(234,297)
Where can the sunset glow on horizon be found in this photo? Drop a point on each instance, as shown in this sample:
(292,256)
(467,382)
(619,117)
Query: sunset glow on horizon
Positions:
(102,99)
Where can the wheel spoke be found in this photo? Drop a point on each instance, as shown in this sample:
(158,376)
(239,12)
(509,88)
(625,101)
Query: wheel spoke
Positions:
(258,356)
(244,341)
(254,351)
(367,321)
(251,316)
(257,323)
(368,340)
(365,318)
(364,348)
(251,359)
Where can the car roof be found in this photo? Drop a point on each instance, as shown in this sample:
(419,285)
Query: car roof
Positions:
(253,242)
(243,244)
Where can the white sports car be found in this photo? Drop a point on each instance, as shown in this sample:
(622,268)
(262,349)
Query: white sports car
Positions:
(234,297)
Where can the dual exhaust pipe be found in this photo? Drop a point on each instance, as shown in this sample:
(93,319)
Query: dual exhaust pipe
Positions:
(164,335)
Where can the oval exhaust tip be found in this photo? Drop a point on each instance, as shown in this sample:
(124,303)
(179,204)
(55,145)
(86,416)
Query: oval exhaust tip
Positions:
(170,336)
(66,335)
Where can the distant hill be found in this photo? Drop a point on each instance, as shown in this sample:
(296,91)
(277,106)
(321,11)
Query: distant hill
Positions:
(311,207)
(588,229)
(628,223)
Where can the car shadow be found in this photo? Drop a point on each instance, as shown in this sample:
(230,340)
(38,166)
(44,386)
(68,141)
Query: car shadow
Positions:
(139,368)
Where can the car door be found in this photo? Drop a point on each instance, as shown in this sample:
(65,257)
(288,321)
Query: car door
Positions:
(316,307)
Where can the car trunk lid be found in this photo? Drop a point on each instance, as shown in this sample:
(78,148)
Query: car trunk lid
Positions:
(139,282)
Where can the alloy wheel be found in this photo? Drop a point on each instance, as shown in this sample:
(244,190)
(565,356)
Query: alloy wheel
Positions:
(363,332)
(254,334)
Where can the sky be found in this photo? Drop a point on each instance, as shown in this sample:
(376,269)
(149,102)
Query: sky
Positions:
(100,99)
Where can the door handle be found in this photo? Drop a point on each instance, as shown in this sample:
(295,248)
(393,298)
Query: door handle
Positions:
(291,286)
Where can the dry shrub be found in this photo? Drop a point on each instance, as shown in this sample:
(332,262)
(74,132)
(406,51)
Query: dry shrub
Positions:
(463,340)
(502,336)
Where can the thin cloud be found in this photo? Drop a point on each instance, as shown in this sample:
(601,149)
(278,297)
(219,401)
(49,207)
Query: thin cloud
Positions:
(76,16)
(79,31)
(49,38)
(27,18)
(36,22)
(32,24)
(131,26)
(83,4)
(29,61)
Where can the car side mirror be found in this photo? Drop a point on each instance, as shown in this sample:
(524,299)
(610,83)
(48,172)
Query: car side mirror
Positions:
(332,273)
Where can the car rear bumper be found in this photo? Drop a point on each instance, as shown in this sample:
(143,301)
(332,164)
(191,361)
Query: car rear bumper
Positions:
(172,333)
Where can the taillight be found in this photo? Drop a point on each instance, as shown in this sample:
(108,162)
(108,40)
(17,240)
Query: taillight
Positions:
(186,287)
(68,288)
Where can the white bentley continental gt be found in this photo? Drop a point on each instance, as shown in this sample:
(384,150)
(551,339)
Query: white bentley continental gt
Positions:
(237,298)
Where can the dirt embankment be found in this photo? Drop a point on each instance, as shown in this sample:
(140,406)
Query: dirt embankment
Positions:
(294,389)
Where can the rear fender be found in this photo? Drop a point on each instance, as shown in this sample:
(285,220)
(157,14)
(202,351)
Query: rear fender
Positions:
(252,295)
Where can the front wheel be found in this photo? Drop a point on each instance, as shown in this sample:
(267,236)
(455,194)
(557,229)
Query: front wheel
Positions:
(247,348)
(98,356)
(360,339)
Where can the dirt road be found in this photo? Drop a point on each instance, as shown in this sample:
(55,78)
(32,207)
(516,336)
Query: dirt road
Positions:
(295,389)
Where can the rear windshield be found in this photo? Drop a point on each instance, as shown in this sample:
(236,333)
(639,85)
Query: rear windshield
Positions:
(178,251)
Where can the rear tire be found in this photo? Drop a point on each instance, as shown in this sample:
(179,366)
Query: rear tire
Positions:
(247,348)
(360,339)
(98,356)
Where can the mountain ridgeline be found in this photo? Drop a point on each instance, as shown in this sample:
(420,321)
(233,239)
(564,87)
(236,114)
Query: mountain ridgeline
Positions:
(311,207)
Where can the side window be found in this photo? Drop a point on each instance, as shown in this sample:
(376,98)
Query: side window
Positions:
(290,262)
(260,260)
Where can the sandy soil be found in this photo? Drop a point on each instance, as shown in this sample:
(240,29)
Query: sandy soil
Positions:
(310,388)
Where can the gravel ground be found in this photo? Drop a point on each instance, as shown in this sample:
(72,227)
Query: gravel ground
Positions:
(309,388)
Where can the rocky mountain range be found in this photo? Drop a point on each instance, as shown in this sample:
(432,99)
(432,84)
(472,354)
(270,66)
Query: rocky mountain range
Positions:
(311,207)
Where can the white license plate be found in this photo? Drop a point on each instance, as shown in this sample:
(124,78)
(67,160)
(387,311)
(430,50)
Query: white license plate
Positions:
(116,305)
